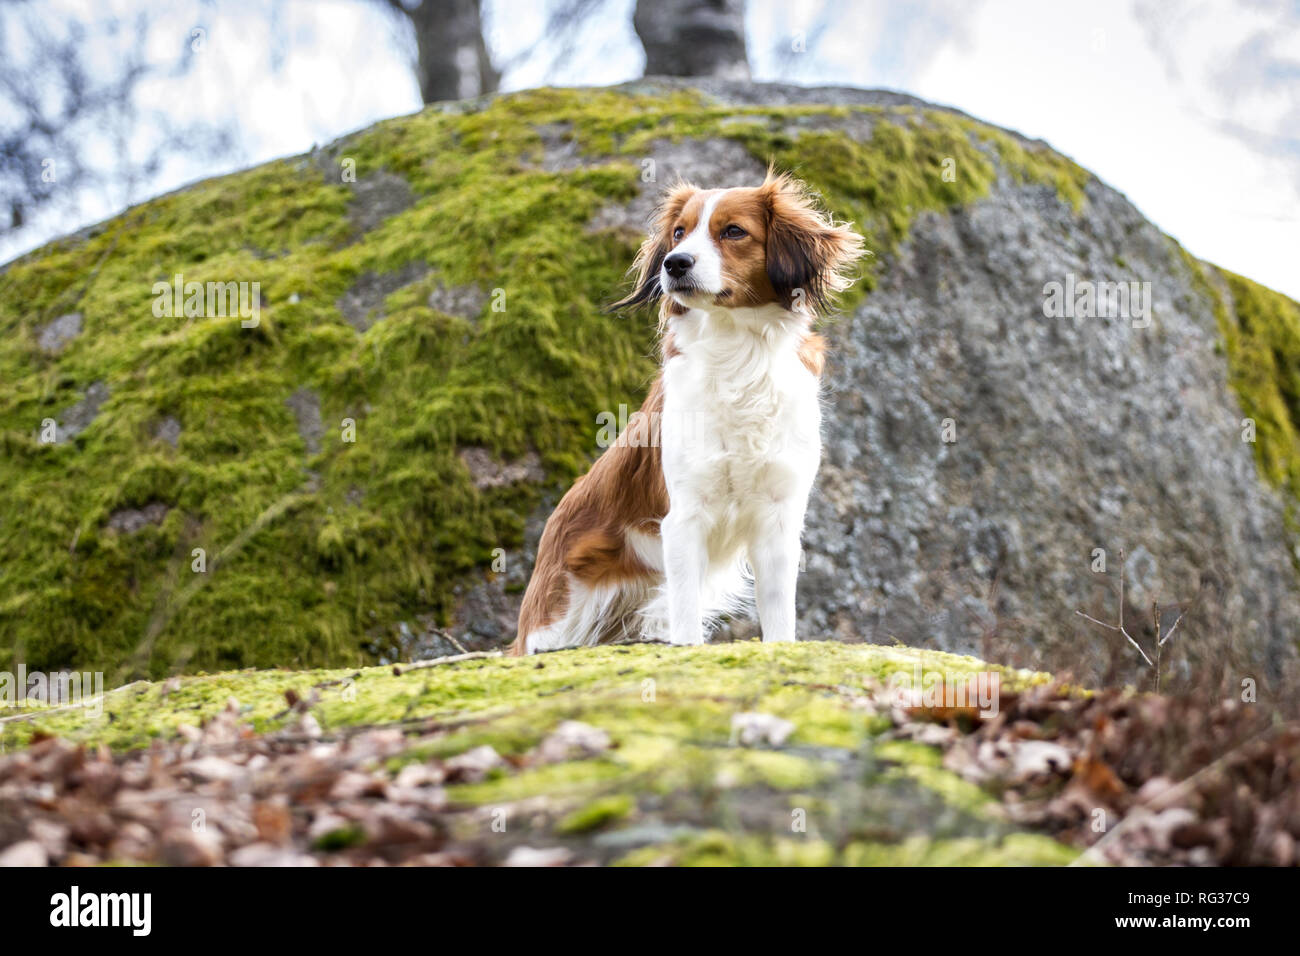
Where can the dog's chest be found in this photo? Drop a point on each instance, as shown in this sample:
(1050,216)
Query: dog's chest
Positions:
(741,427)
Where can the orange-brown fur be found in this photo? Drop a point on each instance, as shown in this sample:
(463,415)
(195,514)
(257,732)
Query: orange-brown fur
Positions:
(585,535)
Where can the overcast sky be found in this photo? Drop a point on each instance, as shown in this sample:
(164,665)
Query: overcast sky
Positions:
(1192,109)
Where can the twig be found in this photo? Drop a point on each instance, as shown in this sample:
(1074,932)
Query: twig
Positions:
(34,714)
(1174,628)
(1160,645)
(1121,630)
(400,669)
(450,639)
(1155,620)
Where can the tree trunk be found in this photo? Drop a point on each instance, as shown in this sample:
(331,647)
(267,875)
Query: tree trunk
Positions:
(693,37)
(453,59)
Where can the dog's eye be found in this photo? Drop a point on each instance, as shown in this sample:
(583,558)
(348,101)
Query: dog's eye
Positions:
(678,233)
(733,232)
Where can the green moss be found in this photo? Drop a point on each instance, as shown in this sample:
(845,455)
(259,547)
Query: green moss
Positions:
(922,764)
(554,780)
(1263,347)
(651,692)
(718,848)
(1260,332)
(600,812)
(341,839)
(1016,849)
(1036,162)
(954,790)
(319,557)
(909,752)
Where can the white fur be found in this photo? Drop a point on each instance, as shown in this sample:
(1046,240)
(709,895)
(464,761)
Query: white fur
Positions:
(741,446)
(702,245)
(741,436)
(592,615)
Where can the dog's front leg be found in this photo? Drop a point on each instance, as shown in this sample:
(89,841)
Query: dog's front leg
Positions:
(774,556)
(684,572)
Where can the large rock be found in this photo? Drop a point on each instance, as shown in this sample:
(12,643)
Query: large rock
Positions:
(434,286)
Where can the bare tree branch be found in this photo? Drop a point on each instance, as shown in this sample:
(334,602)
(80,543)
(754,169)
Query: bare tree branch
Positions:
(69,91)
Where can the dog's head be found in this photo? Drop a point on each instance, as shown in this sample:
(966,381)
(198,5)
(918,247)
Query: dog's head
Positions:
(744,247)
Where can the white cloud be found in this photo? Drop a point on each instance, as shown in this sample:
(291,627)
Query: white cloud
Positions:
(1184,108)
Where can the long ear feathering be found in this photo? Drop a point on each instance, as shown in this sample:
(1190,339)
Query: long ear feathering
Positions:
(650,258)
(806,249)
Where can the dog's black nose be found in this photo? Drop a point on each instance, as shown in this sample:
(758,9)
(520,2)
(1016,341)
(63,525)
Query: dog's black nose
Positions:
(678,264)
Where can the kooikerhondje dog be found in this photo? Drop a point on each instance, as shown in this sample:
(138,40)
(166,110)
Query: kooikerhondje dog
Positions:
(705,489)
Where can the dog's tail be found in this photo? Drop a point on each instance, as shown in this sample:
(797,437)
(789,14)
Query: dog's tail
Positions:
(595,614)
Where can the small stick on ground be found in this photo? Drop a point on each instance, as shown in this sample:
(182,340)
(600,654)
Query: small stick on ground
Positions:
(1155,620)
(400,669)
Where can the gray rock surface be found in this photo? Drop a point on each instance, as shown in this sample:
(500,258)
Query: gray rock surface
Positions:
(377,197)
(305,405)
(55,335)
(78,418)
(362,304)
(131,520)
(1070,435)
(168,430)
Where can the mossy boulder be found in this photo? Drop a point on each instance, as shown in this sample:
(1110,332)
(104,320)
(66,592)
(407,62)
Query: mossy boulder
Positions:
(626,754)
(359,475)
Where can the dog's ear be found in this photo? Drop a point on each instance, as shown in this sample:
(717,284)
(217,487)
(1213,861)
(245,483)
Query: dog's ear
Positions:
(645,267)
(809,255)
(650,259)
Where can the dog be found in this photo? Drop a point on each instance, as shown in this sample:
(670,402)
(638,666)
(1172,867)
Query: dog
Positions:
(699,503)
